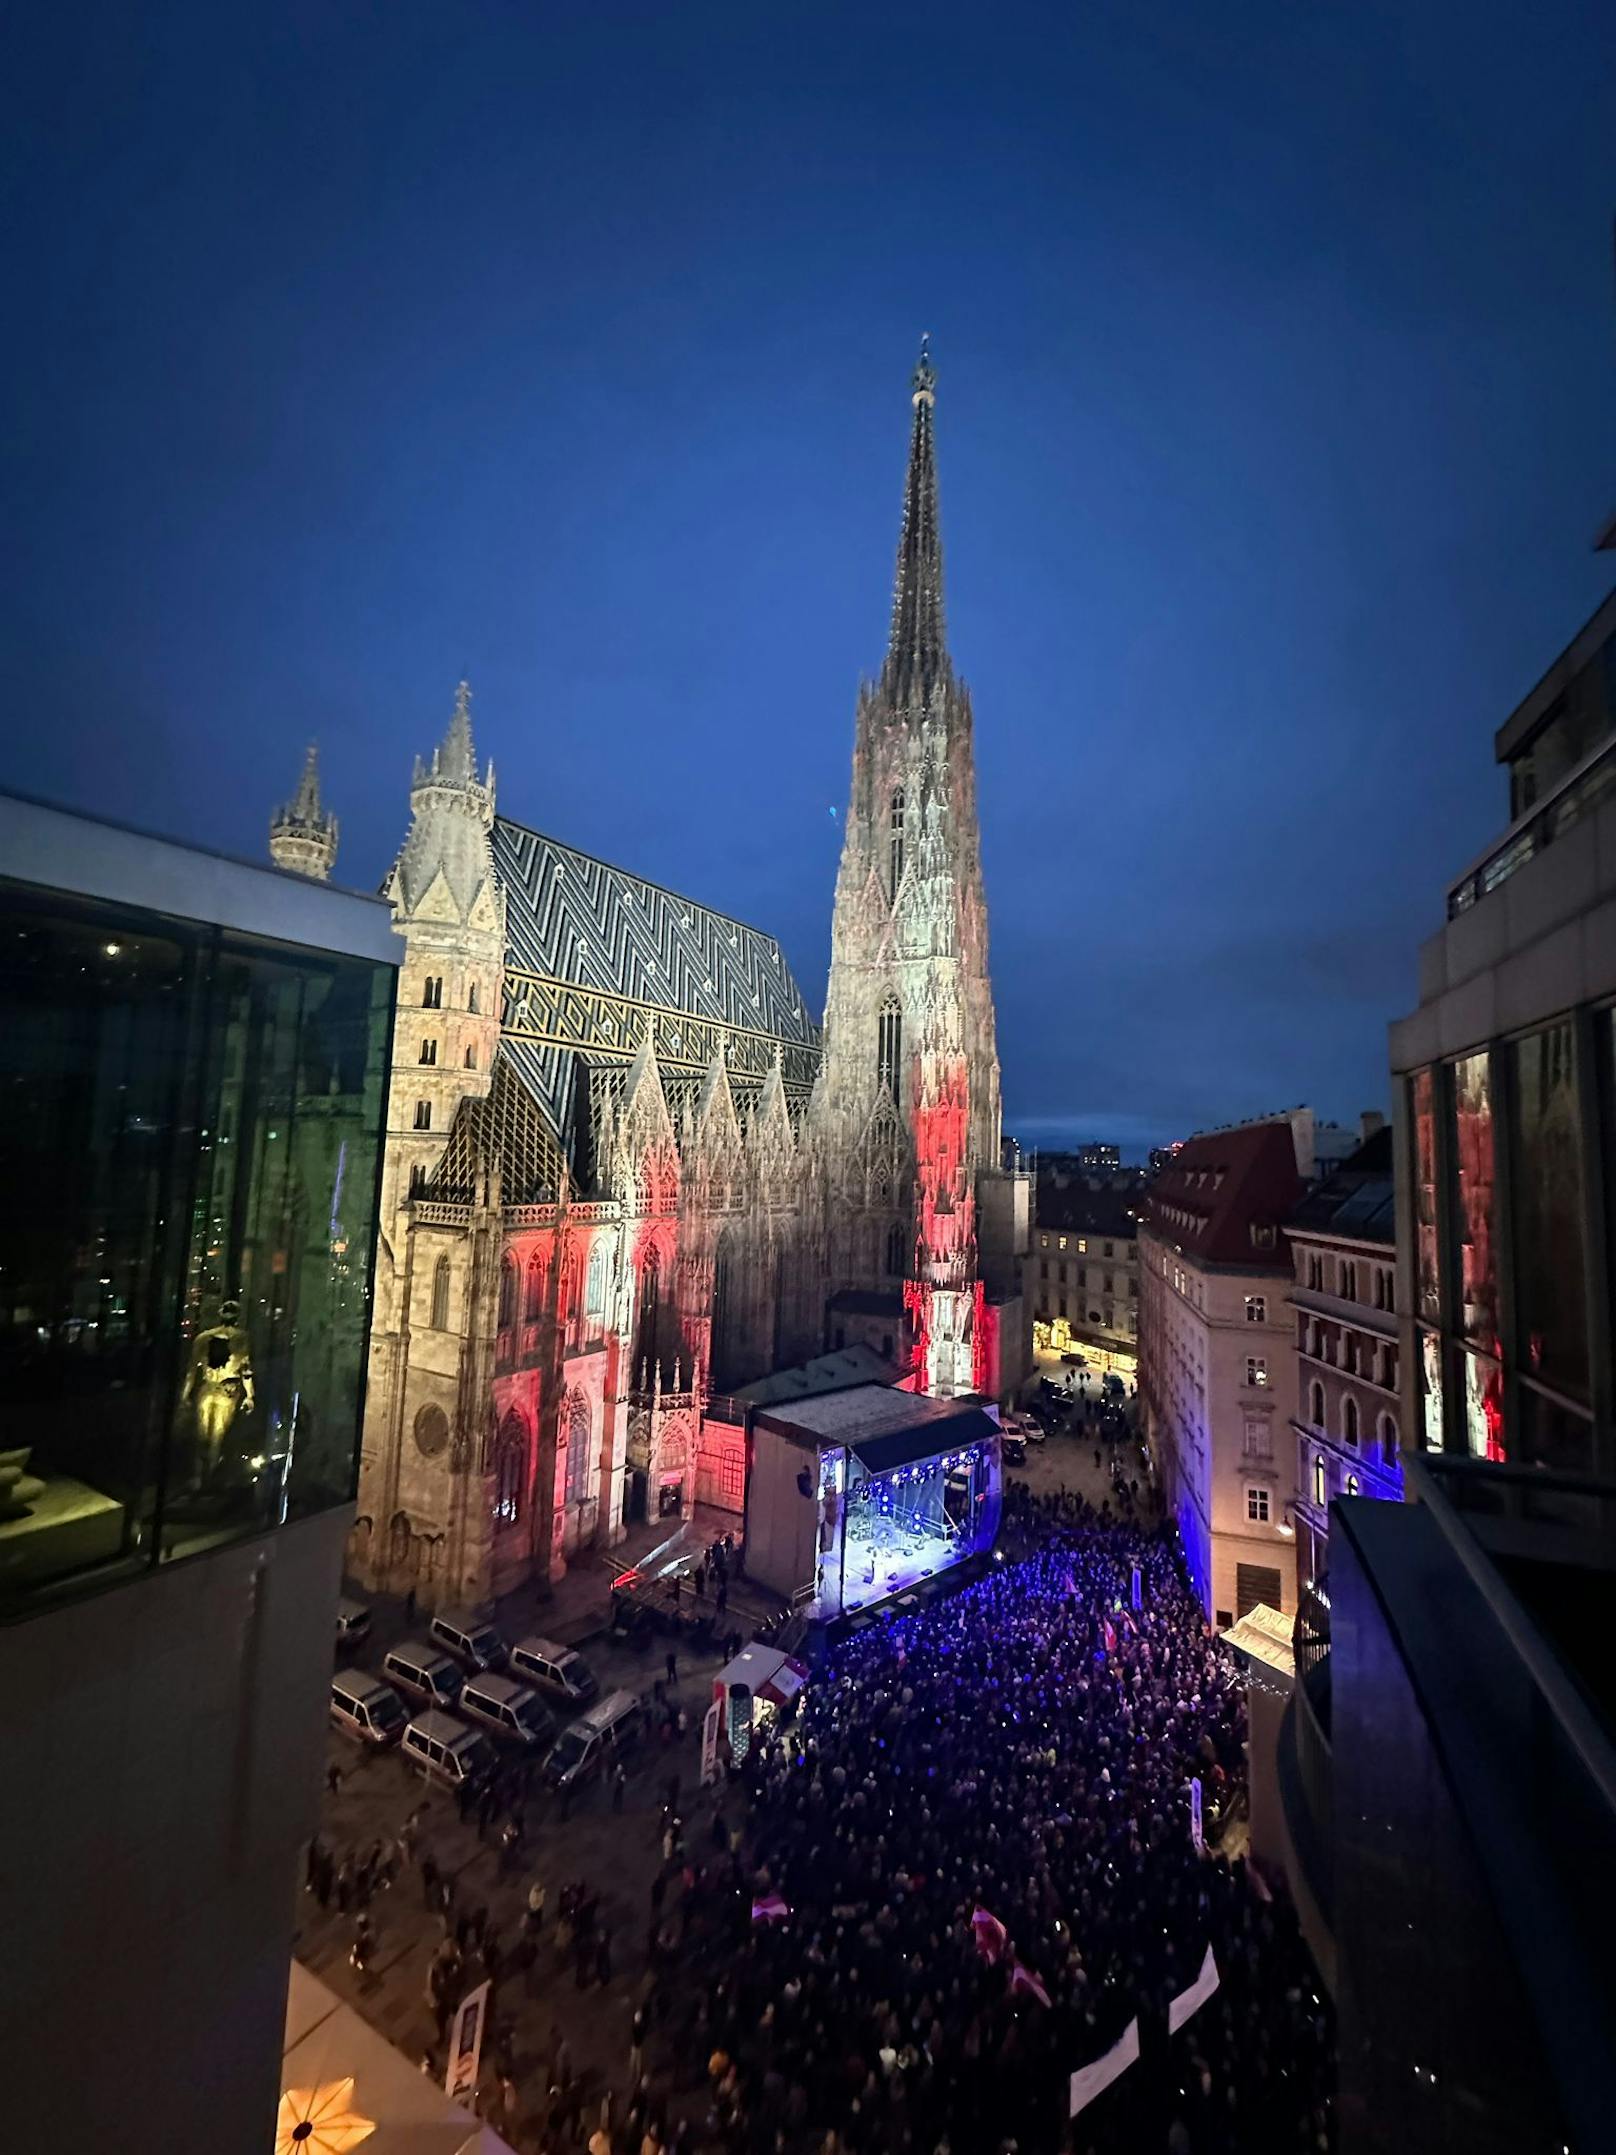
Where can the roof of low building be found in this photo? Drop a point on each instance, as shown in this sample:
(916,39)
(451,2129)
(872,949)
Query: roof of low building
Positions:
(1358,1201)
(1224,1197)
(855,1365)
(1093,1205)
(886,1428)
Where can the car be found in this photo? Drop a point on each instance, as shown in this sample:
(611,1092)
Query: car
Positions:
(476,1645)
(1013,1451)
(353,1624)
(558,1670)
(1026,1426)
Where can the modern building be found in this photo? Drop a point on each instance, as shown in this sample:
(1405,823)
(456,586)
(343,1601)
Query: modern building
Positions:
(626,1173)
(1082,1270)
(1445,1767)
(194,1059)
(1503,1078)
(1343,1240)
(1217,1361)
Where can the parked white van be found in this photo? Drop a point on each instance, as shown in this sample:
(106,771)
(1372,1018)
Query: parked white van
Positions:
(556,1669)
(597,1736)
(353,1624)
(423,1672)
(513,1712)
(446,1750)
(474,1644)
(364,1707)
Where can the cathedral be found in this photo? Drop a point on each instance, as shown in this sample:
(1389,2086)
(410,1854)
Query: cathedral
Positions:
(626,1176)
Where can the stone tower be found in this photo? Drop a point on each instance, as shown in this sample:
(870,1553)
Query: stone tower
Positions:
(302,837)
(906,1110)
(450,910)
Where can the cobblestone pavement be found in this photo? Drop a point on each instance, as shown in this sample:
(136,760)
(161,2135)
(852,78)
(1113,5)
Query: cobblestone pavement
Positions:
(618,1855)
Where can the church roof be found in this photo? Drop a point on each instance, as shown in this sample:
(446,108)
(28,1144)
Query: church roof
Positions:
(507,1129)
(595,957)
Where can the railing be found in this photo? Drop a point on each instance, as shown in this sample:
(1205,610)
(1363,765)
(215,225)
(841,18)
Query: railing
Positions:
(1579,791)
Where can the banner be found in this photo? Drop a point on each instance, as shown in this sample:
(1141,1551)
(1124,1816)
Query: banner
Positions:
(1138,1588)
(711,1722)
(1191,2000)
(740,1722)
(1094,2079)
(1195,1816)
(466,2043)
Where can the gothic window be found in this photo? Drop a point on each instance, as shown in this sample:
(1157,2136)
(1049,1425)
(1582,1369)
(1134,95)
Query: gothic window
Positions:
(897,1253)
(472,1004)
(1349,1420)
(432,992)
(595,1289)
(889,1048)
(507,1295)
(650,1289)
(417,1178)
(429,1051)
(440,1295)
(1321,1483)
(578,1434)
(1317,1404)
(423,1114)
(471,1056)
(510,1464)
(535,1291)
(895,843)
(1388,1438)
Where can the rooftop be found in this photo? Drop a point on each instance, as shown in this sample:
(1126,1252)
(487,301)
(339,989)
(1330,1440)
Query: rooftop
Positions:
(1224,1197)
(886,1428)
(1358,1201)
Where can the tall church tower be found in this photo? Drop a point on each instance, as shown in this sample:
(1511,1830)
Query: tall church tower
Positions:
(302,835)
(907,1104)
(450,910)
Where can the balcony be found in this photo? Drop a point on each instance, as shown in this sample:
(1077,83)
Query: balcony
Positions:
(1577,795)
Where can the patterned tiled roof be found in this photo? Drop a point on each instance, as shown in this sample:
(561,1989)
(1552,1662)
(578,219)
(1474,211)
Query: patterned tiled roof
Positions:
(595,955)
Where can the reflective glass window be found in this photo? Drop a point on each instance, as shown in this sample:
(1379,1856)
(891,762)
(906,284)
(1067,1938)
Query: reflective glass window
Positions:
(1546,1210)
(189,1159)
(1470,1108)
(1423,1115)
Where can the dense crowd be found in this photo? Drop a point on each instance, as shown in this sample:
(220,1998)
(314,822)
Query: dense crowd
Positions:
(981,1808)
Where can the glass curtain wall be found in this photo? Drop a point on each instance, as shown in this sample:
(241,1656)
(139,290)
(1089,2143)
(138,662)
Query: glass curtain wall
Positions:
(190,1149)
(1504,1268)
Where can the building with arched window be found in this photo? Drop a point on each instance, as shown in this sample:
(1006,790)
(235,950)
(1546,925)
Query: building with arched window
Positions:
(614,1118)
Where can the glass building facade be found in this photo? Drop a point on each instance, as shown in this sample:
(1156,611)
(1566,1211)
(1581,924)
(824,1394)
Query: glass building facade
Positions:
(189,1150)
(1510,1156)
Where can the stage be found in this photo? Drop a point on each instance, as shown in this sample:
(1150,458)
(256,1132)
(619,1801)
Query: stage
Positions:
(864,1494)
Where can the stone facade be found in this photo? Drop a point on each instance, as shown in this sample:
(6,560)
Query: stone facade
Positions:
(621,1175)
(1217,1363)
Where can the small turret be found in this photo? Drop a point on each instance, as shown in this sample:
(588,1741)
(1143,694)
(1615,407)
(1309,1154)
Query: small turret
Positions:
(302,836)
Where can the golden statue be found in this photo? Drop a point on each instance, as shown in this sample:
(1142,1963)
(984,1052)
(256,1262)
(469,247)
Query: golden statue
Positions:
(220,1381)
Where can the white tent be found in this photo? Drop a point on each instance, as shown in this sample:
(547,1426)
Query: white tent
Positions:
(327,2044)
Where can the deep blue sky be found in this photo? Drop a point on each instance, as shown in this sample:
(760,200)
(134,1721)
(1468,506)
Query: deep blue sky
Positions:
(353,348)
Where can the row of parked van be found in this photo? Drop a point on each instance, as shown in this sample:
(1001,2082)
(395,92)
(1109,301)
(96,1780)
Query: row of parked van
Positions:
(458,1665)
(448,1749)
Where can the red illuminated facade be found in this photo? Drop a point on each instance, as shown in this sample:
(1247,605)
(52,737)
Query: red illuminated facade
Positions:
(906,1111)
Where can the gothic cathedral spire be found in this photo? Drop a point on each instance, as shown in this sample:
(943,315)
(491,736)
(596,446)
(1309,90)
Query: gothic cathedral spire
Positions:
(917,654)
(907,1104)
(302,835)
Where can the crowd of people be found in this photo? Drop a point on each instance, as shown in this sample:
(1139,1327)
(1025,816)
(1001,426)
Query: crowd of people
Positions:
(968,1866)
(956,1876)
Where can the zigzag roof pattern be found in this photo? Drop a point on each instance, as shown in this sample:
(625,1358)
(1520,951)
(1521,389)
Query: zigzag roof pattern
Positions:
(595,955)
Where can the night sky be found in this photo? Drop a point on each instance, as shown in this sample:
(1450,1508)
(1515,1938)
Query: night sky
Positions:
(351,349)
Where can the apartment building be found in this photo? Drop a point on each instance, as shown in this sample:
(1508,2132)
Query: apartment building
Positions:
(1217,1360)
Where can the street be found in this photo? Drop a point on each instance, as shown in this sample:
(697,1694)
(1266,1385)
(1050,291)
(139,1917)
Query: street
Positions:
(616,1855)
